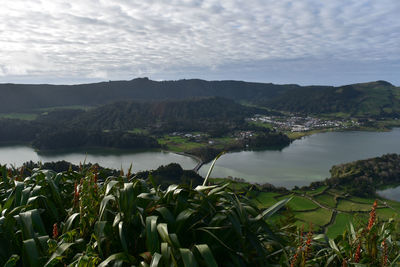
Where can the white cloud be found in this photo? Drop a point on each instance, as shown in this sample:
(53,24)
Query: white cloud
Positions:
(121,38)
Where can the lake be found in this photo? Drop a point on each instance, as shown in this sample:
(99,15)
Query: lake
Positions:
(305,160)
(390,193)
(140,161)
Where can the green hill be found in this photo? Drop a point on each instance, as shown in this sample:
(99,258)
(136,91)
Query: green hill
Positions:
(365,99)
(26,97)
(178,115)
(378,98)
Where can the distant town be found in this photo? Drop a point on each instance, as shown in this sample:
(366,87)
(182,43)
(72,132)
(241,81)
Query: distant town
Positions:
(302,124)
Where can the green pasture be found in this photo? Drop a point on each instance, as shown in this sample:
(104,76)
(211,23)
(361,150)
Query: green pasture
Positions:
(319,217)
(345,205)
(178,143)
(19,116)
(266,199)
(326,200)
(368,201)
(317,191)
(342,222)
(299,203)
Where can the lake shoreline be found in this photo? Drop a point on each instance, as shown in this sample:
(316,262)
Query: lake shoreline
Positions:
(305,160)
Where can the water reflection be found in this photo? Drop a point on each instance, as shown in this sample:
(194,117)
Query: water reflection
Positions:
(149,160)
(390,193)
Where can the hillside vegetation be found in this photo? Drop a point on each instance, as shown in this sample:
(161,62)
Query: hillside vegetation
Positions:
(19,97)
(79,218)
(375,99)
(171,115)
(143,125)
(365,99)
(364,177)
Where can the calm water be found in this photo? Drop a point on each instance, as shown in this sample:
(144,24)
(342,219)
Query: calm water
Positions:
(305,160)
(390,193)
(17,155)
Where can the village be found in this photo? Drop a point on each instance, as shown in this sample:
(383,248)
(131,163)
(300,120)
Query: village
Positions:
(302,124)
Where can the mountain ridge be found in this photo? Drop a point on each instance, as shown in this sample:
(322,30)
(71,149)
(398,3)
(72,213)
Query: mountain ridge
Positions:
(370,99)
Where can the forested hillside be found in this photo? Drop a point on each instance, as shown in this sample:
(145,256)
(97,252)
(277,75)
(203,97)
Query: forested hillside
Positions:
(366,99)
(364,177)
(24,97)
(175,115)
(136,125)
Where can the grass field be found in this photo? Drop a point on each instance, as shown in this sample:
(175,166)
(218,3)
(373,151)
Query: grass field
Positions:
(19,116)
(262,124)
(266,199)
(387,213)
(368,201)
(178,143)
(300,203)
(342,222)
(349,208)
(319,217)
(80,107)
(345,205)
(317,191)
(326,200)
(236,186)
(394,204)
(139,131)
(183,144)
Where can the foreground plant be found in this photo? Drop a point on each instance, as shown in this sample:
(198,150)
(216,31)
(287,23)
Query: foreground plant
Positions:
(70,218)
(73,219)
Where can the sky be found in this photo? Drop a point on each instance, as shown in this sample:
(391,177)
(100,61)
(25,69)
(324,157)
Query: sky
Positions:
(287,41)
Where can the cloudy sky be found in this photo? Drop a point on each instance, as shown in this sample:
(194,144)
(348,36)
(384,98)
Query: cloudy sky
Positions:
(286,41)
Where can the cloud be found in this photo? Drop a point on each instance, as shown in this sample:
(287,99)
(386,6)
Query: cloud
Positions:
(123,38)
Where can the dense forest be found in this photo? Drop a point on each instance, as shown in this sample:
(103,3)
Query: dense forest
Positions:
(136,125)
(375,99)
(364,177)
(140,89)
(199,114)
(365,99)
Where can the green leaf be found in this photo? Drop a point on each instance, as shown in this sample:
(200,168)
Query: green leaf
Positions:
(184,215)
(353,233)
(167,215)
(31,221)
(103,205)
(12,261)
(31,252)
(188,257)
(68,224)
(211,168)
(171,188)
(166,253)
(25,195)
(218,189)
(110,185)
(162,229)
(155,260)
(19,186)
(121,233)
(59,252)
(333,245)
(274,208)
(118,257)
(201,188)
(207,255)
(152,242)
(393,263)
